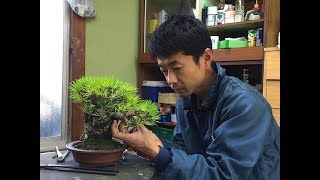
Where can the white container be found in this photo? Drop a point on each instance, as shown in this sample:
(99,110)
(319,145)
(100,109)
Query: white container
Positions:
(214,41)
(212,18)
(173,117)
(220,18)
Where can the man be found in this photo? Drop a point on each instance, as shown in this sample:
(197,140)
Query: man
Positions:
(225,128)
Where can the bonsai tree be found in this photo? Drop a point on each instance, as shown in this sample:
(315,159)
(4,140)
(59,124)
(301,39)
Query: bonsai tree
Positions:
(103,100)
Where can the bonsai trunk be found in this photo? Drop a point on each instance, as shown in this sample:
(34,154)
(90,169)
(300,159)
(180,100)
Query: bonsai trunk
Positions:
(98,132)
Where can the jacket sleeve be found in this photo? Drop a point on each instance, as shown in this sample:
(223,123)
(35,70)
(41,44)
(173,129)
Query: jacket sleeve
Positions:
(245,125)
(177,139)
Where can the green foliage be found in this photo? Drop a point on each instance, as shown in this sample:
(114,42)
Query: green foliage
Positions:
(145,112)
(101,94)
(107,98)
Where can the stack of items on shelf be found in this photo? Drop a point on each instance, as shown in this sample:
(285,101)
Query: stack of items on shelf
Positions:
(167,114)
(255,38)
(150,89)
(163,95)
(228,13)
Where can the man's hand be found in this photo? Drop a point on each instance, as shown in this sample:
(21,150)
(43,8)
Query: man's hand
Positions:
(142,139)
(123,128)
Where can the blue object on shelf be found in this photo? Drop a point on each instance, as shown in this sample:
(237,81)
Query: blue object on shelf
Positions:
(165,118)
(150,89)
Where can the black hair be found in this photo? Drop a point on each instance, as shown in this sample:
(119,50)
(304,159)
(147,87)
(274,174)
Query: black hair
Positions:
(180,33)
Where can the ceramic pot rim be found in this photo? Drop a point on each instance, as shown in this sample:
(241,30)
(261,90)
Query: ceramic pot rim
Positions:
(70,146)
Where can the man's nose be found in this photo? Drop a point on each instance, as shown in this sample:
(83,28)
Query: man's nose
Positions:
(171,78)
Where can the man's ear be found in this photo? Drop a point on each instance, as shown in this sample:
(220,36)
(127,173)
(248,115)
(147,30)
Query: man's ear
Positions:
(208,56)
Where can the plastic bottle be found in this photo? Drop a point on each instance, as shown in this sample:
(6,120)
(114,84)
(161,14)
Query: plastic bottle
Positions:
(229,14)
(214,41)
(245,75)
(220,18)
(239,8)
(204,13)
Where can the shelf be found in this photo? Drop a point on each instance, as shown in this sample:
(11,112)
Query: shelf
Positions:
(231,27)
(251,62)
(239,54)
(249,55)
(238,26)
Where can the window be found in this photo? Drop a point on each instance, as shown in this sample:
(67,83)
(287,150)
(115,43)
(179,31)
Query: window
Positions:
(54,58)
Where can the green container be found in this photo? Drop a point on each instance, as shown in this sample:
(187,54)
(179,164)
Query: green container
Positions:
(161,132)
(224,44)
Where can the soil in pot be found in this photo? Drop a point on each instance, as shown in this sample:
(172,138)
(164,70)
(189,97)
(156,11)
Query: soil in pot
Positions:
(98,144)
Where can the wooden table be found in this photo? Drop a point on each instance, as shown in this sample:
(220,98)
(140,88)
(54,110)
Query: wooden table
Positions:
(133,167)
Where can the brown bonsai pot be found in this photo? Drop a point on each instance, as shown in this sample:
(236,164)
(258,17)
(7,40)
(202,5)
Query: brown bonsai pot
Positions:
(95,157)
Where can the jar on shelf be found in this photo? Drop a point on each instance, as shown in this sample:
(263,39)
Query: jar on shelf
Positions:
(239,8)
(229,14)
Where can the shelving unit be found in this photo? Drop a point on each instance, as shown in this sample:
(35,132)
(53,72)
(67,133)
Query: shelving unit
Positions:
(235,28)
(233,60)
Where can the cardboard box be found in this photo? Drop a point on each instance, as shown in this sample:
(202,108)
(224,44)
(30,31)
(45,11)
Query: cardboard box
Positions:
(150,89)
(168,98)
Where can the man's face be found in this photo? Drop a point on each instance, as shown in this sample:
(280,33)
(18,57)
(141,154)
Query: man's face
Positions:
(183,74)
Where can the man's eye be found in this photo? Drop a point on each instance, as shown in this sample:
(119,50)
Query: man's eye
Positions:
(177,68)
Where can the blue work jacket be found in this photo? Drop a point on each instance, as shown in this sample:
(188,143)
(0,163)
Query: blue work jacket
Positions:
(232,134)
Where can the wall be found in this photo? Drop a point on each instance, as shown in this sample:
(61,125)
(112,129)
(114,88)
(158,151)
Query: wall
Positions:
(112,40)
